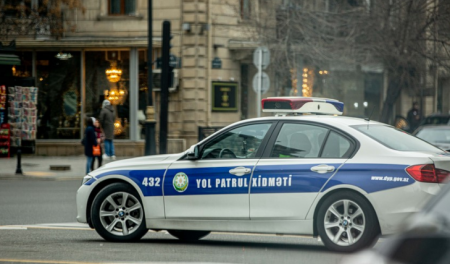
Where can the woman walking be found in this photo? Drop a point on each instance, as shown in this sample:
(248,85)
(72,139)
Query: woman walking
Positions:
(89,141)
(99,136)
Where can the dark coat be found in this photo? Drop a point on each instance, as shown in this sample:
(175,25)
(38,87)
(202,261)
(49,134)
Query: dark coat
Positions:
(106,119)
(89,140)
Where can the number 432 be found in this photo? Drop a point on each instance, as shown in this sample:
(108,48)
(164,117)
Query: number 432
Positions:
(150,181)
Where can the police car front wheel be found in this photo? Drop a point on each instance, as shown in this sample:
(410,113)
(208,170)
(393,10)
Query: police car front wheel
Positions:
(117,213)
(188,235)
(346,222)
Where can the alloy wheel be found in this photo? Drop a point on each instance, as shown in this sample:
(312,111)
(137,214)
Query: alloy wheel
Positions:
(121,213)
(344,222)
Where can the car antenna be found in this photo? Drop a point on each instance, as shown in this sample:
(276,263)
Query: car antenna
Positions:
(368,118)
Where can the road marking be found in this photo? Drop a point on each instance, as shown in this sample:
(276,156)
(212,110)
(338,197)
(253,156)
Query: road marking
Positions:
(80,226)
(13,228)
(83,262)
(44,261)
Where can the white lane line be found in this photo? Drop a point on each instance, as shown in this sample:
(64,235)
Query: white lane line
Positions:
(79,262)
(13,228)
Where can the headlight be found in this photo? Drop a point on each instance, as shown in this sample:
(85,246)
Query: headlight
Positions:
(86,178)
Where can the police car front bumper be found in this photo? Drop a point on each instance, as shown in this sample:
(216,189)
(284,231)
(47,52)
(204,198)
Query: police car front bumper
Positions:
(82,199)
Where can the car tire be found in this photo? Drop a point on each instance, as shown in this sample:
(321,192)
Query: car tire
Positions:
(350,229)
(110,213)
(187,235)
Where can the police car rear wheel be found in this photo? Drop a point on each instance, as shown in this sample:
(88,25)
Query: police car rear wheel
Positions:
(188,235)
(347,222)
(118,214)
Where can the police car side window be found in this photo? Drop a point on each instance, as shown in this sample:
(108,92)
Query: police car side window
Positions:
(336,146)
(239,143)
(299,141)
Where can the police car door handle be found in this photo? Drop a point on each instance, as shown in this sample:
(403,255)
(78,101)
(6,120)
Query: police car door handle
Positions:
(239,171)
(322,168)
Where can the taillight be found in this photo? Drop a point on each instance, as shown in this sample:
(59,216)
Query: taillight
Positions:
(442,175)
(428,173)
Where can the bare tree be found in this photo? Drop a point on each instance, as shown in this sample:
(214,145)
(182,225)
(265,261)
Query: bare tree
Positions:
(407,36)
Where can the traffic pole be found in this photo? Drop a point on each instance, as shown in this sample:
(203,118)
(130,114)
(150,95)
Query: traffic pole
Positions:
(165,79)
(258,96)
(150,122)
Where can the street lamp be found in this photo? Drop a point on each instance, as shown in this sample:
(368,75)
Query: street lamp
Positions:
(150,143)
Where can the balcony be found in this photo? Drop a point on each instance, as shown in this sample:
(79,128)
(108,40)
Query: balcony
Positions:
(24,23)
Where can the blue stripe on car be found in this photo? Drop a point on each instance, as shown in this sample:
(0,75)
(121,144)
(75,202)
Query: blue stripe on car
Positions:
(371,177)
(270,179)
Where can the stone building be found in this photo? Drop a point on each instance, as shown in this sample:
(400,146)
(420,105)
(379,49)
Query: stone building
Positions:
(75,59)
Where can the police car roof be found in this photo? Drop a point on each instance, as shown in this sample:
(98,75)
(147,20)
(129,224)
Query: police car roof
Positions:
(326,119)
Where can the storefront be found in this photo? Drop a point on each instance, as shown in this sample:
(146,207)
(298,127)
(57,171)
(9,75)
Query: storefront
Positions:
(73,83)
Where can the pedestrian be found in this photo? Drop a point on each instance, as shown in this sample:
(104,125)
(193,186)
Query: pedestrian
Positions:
(414,116)
(89,141)
(99,136)
(107,117)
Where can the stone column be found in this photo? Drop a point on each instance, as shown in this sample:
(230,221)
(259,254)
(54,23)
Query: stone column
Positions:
(194,54)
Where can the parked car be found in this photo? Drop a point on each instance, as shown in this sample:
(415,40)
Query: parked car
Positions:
(436,135)
(425,238)
(436,119)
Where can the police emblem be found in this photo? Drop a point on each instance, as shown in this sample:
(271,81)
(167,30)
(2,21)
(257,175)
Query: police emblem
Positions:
(180,182)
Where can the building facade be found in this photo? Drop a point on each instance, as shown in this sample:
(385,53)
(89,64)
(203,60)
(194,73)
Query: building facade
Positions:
(75,67)
(82,54)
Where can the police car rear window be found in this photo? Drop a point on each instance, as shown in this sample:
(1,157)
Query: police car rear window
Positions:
(395,139)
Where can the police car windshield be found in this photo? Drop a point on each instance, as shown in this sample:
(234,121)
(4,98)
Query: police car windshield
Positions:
(396,139)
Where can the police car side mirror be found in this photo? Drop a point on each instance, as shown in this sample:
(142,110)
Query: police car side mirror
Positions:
(193,153)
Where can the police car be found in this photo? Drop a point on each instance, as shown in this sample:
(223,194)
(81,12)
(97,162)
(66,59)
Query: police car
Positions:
(307,170)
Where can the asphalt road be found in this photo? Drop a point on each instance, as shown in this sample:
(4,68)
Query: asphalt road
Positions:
(37,225)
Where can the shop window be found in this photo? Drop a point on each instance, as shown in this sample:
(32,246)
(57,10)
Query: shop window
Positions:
(59,97)
(143,96)
(102,84)
(25,69)
(122,7)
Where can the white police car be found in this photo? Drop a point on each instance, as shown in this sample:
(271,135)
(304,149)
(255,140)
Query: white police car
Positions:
(344,179)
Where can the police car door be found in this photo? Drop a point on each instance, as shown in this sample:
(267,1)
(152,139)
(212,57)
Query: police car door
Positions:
(216,186)
(299,159)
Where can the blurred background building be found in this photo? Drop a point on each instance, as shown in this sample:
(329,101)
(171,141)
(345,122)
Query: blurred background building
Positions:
(81,52)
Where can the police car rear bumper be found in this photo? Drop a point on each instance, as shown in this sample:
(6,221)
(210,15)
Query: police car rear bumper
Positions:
(393,206)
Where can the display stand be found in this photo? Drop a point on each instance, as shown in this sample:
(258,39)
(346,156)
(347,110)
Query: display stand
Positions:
(5,131)
(5,141)
(22,114)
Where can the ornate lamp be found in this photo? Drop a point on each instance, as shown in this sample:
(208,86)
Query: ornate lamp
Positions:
(116,95)
(113,74)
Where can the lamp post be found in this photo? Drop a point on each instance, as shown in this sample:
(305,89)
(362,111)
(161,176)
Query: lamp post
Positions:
(150,144)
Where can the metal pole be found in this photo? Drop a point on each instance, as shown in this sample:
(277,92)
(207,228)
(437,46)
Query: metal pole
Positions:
(165,78)
(150,143)
(258,96)
(19,151)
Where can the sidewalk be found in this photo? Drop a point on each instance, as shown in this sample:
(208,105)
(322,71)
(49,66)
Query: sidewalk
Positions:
(38,167)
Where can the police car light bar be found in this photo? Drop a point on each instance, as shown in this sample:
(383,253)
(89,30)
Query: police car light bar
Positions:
(303,105)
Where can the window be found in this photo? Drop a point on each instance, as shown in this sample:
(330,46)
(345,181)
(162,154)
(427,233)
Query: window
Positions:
(99,87)
(337,146)
(239,143)
(395,139)
(435,135)
(299,141)
(245,9)
(122,7)
(59,99)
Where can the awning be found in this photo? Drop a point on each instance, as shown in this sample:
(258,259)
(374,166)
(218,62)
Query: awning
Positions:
(9,59)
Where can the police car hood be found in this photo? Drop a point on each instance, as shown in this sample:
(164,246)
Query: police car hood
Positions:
(135,163)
